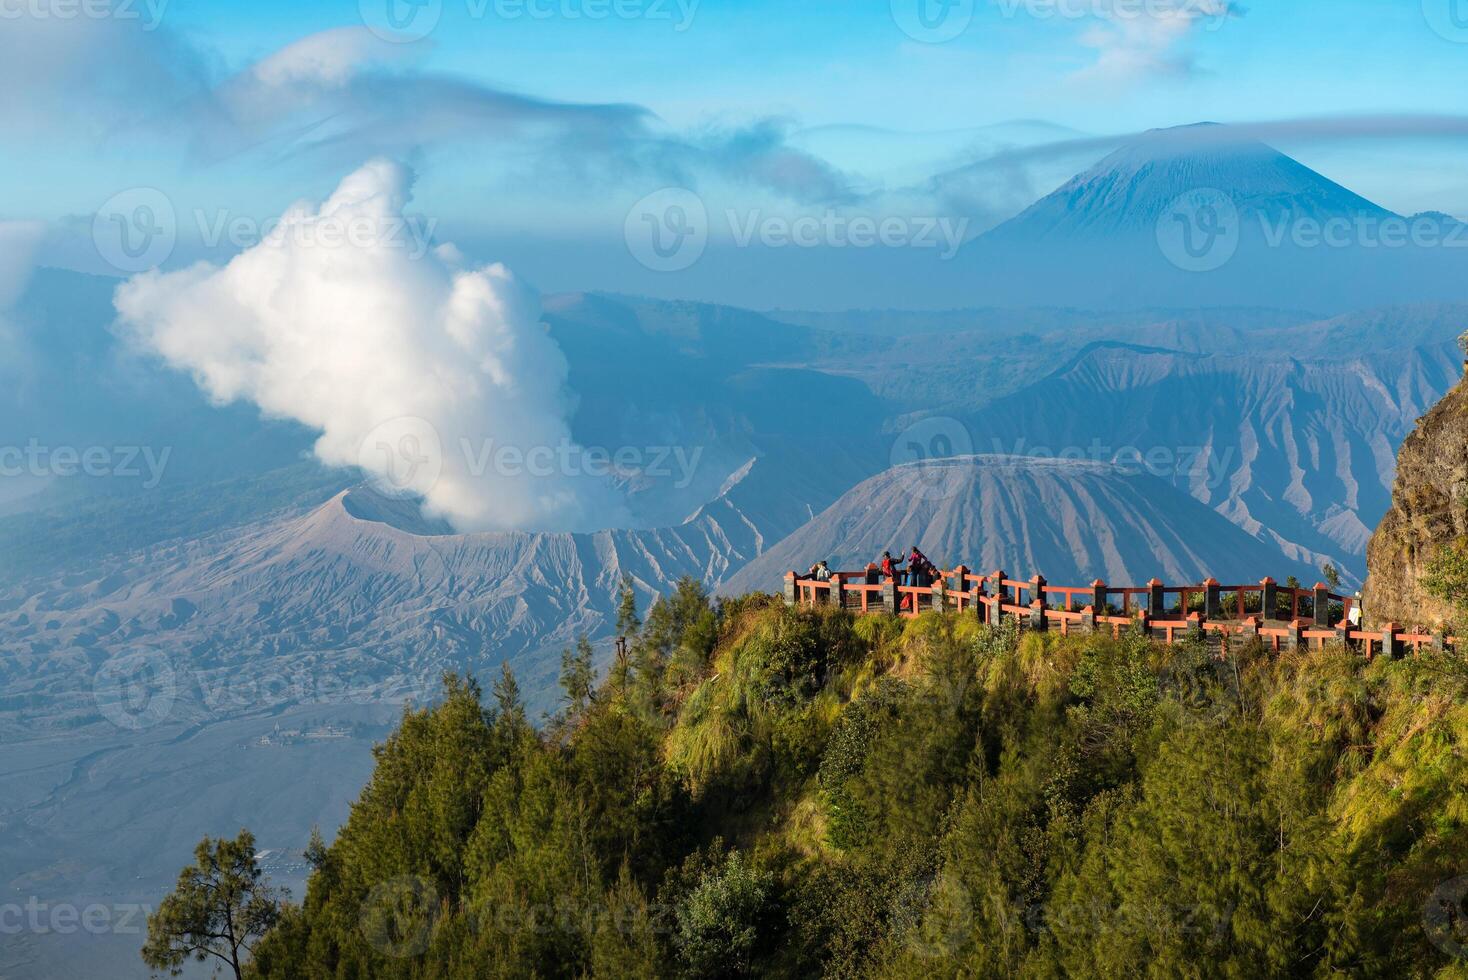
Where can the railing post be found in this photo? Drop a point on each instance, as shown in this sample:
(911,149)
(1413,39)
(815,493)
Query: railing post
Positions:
(1322,605)
(1098,600)
(1088,619)
(1156,600)
(1293,639)
(838,591)
(1439,641)
(1195,626)
(962,574)
(1212,600)
(1251,628)
(1037,590)
(792,590)
(1038,619)
(1390,645)
(1269,603)
(996,608)
(889,596)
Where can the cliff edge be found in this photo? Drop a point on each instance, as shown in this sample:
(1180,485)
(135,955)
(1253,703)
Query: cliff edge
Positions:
(1429,512)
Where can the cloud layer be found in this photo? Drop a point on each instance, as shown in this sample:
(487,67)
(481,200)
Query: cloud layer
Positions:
(410,366)
(343,95)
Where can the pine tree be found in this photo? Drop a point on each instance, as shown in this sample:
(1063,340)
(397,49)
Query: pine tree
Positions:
(578,678)
(221,905)
(628,621)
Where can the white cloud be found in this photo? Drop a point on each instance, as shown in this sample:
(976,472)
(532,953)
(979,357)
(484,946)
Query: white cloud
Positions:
(334,322)
(1136,39)
(343,95)
(332,57)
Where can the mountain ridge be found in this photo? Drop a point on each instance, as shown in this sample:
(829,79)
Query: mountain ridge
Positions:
(1071,520)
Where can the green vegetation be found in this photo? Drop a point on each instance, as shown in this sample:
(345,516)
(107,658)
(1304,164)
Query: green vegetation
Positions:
(759,791)
(219,909)
(1446,576)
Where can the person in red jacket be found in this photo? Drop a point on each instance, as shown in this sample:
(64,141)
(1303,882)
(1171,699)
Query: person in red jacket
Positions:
(891,567)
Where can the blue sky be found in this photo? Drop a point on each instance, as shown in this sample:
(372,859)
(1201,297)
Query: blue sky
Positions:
(534,124)
(845,61)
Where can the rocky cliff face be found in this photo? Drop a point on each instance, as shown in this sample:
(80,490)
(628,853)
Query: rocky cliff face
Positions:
(1429,512)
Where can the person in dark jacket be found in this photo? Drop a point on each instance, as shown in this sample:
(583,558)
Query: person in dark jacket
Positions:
(919,569)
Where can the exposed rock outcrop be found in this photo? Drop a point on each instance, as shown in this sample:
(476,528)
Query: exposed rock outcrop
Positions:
(1429,512)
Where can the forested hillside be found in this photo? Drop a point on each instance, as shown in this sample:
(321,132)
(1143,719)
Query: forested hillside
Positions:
(761,791)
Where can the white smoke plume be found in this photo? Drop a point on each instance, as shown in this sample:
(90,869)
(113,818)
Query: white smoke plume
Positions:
(418,370)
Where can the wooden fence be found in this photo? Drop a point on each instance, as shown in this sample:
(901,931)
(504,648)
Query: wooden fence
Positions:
(1286,618)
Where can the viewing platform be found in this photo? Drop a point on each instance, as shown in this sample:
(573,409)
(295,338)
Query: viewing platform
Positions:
(1283,617)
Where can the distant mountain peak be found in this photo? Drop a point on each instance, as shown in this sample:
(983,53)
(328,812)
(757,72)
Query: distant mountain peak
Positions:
(1072,519)
(1130,189)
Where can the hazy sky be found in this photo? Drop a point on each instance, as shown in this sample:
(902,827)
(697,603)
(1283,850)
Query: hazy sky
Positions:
(535,126)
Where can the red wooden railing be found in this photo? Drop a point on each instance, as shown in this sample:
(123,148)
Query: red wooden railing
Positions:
(1266,610)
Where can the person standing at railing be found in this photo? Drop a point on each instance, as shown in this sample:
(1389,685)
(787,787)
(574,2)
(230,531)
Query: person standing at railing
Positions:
(919,576)
(891,567)
(919,569)
(821,571)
